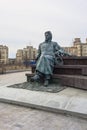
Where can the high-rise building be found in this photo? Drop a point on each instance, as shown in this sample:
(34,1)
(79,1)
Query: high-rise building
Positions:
(78,48)
(19,56)
(34,53)
(28,53)
(3,54)
(71,50)
(84,49)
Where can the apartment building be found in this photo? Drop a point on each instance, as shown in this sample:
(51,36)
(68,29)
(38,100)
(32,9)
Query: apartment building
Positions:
(28,53)
(84,49)
(19,56)
(78,48)
(71,50)
(3,54)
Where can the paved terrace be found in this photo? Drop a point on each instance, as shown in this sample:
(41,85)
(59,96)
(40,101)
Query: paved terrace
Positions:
(14,117)
(69,101)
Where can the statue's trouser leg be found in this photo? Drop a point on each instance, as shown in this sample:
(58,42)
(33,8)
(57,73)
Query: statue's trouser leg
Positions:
(39,74)
(47,78)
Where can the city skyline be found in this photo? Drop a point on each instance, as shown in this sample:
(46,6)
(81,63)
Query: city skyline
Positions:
(23,22)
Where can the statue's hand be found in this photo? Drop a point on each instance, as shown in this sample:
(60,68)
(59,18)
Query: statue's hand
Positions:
(57,54)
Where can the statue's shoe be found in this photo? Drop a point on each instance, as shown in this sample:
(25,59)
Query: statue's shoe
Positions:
(46,83)
(35,78)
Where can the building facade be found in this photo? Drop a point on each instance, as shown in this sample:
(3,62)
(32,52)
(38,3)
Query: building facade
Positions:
(3,54)
(78,48)
(84,49)
(19,56)
(28,53)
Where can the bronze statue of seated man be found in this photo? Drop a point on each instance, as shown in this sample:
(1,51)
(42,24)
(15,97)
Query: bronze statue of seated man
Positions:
(48,53)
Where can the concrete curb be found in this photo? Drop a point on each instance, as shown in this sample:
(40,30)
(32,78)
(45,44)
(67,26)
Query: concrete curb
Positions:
(45,108)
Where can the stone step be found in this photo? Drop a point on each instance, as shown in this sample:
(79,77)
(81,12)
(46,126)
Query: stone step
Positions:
(76,81)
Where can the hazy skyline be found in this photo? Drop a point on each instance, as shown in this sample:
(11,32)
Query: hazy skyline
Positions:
(23,22)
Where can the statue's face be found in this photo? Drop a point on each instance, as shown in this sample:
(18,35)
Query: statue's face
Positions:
(47,36)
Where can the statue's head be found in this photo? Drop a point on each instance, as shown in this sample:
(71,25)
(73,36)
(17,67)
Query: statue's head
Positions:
(48,36)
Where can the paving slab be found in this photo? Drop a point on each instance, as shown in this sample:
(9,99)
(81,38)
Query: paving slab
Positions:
(69,101)
(14,117)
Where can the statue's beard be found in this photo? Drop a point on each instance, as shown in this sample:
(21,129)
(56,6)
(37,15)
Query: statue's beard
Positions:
(48,40)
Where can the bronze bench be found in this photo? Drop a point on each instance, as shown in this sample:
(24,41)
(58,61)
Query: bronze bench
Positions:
(67,69)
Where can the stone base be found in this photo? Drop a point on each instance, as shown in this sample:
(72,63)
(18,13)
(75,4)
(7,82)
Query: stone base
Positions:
(35,86)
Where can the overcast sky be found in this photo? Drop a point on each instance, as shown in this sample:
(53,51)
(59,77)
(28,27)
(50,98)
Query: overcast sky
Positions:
(23,22)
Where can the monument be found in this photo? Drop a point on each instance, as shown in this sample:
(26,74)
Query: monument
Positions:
(52,64)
